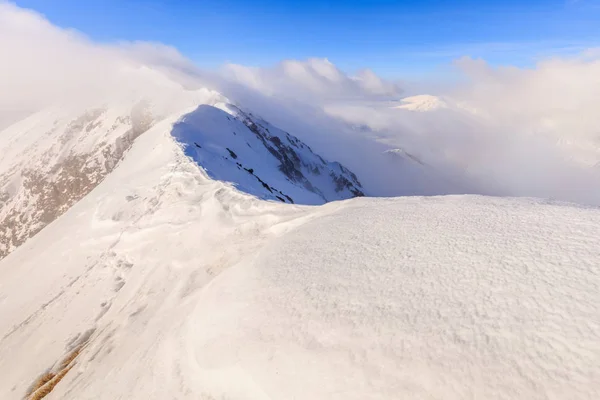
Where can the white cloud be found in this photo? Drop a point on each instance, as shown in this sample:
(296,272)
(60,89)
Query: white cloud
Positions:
(510,131)
(43,64)
(507,131)
(313,79)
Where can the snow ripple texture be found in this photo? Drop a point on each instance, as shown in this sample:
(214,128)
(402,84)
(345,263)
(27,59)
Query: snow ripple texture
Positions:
(422,298)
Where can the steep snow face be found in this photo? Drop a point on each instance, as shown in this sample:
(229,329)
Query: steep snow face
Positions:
(238,147)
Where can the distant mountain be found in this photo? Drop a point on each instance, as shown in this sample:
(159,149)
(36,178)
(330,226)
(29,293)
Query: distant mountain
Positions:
(402,154)
(423,102)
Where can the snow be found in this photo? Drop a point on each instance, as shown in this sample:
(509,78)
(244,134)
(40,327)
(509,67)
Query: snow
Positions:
(422,103)
(54,157)
(192,289)
(236,147)
(453,298)
(170,267)
(43,134)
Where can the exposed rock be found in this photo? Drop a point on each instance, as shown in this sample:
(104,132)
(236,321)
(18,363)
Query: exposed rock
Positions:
(291,163)
(44,195)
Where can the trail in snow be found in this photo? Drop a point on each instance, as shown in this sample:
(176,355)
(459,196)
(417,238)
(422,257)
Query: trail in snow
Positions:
(190,289)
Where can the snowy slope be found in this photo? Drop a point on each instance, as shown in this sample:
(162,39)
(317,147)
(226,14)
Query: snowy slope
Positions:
(183,287)
(51,161)
(421,298)
(98,266)
(235,146)
(55,157)
(159,242)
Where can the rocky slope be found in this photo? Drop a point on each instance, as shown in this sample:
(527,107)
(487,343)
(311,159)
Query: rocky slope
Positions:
(236,146)
(51,171)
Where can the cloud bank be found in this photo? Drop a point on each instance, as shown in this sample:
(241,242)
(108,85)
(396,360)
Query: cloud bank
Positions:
(312,79)
(44,65)
(498,130)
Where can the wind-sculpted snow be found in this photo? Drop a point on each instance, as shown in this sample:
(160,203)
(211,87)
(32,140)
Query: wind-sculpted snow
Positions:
(172,285)
(260,159)
(55,157)
(422,298)
(140,260)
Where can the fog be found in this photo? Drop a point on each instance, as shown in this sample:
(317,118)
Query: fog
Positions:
(504,131)
(496,130)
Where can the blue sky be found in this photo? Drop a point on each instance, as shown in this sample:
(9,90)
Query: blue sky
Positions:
(394,38)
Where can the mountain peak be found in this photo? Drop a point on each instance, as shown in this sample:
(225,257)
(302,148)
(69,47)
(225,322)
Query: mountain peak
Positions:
(423,102)
(53,159)
(258,158)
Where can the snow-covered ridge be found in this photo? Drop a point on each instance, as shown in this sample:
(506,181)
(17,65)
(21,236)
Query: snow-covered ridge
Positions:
(54,158)
(170,284)
(404,155)
(235,146)
(183,287)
